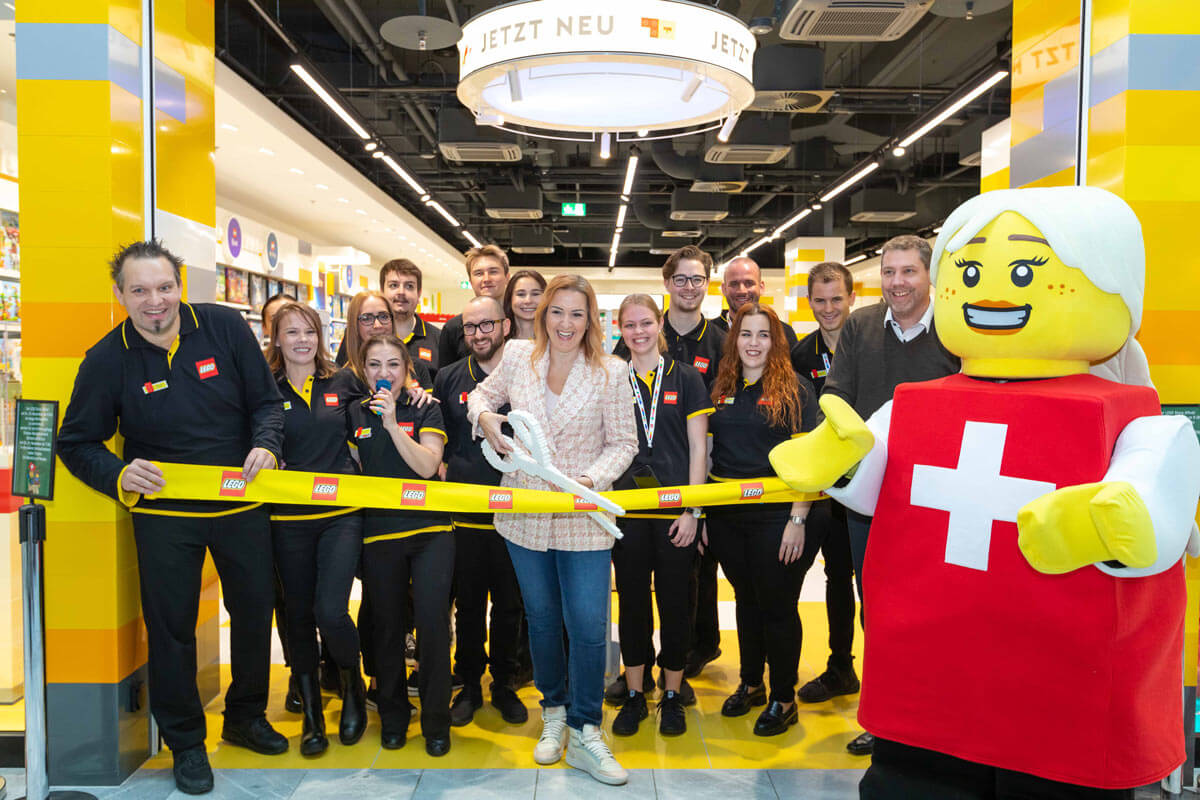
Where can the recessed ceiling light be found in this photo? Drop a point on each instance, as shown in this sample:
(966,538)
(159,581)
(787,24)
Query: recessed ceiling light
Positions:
(760,229)
(296,170)
(266,152)
(360,211)
(321,186)
(225,126)
(343,200)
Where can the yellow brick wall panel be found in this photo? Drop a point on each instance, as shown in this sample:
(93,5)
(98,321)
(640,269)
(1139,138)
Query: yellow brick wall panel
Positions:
(1026,110)
(1176,383)
(1107,171)
(1110,22)
(87,266)
(997,180)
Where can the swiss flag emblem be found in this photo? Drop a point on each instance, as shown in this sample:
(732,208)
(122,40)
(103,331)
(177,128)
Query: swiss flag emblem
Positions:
(671,398)
(331,400)
(207,369)
(701,364)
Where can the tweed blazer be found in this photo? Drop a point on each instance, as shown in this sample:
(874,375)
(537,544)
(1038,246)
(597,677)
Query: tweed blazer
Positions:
(590,433)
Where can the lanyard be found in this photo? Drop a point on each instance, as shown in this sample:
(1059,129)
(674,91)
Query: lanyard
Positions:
(647,425)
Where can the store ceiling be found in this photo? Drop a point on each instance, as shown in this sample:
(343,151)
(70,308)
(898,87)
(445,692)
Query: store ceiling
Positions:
(879,89)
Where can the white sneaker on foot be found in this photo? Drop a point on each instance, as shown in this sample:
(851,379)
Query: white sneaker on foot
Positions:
(587,750)
(549,747)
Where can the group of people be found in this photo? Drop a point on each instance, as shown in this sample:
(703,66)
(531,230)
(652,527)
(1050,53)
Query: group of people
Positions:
(687,400)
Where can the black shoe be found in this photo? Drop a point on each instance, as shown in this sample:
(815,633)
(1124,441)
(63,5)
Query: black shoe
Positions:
(511,708)
(331,679)
(862,745)
(193,775)
(465,704)
(292,702)
(774,720)
(393,740)
(438,745)
(632,712)
(524,676)
(353,722)
(743,699)
(312,736)
(672,720)
(829,684)
(373,698)
(255,734)
(698,661)
(687,695)
(414,684)
(617,691)
(456,682)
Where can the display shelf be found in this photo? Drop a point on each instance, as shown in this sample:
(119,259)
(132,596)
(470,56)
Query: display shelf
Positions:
(238,306)
(10,274)
(254,316)
(10,325)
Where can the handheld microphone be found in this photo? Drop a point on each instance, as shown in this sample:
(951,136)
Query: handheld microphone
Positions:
(382,383)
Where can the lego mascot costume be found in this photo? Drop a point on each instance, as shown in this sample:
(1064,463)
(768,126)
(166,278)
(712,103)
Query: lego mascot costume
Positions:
(1024,637)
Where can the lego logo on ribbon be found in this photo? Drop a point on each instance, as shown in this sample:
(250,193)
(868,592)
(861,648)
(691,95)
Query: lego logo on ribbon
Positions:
(207,369)
(668,498)
(752,491)
(325,489)
(583,505)
(500,499)
(412,494)
(232,484)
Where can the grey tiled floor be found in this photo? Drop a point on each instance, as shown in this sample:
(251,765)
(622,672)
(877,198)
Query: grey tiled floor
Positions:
(465,784)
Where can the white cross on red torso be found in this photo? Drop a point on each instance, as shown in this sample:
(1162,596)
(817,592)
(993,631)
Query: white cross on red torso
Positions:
(975,493)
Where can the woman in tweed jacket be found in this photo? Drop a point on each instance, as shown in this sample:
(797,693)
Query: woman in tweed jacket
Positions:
(584,402)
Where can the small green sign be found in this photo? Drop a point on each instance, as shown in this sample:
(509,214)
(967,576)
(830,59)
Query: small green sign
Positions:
(464,284)
(33,449)
(1191,412)
(574,209)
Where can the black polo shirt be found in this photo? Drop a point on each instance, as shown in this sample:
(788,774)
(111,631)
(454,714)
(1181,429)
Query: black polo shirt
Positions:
(789,334)
(464,460)
(811,357)
(314,433)
(743,436)
(379,457)
(700,347)
(208,399)
(452,344)
(682,395)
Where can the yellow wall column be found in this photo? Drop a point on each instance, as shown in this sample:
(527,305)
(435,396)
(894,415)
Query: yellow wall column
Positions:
(79,101)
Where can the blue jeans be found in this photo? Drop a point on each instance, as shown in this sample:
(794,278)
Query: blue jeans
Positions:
(572,588)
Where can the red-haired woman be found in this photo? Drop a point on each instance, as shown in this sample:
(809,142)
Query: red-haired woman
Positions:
(760,402)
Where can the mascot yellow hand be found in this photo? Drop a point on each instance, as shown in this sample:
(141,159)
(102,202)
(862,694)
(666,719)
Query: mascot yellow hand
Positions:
(813,462)
(1075,526)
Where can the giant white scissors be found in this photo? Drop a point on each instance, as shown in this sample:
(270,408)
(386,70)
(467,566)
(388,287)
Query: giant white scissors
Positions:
(531,455)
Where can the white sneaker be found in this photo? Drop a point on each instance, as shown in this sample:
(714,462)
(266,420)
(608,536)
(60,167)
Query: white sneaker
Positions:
(549,747)
(587,750)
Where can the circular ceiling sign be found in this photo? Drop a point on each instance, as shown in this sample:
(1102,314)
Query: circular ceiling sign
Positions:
(614,66)
(233,237)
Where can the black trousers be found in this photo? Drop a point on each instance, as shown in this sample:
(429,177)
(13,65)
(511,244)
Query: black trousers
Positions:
(746,542)
(859,526)
(706,628)
(901,772)
(647,550)
(427,561)
(281,620)
(827,523)
(482,567)
(170,553)
(316,560)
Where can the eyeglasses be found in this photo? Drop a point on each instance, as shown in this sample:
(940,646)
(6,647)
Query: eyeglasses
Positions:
(681,281)
(487,326)
(383,317)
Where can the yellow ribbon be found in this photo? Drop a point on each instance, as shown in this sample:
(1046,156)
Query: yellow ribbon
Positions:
(192,482)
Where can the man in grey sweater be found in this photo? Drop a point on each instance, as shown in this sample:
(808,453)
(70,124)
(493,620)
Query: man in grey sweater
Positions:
(880,347)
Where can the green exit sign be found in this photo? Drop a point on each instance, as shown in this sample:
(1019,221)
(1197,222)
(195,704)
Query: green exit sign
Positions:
(574,209)
(464,284)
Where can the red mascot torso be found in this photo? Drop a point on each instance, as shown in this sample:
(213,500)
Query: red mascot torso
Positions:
(969,650)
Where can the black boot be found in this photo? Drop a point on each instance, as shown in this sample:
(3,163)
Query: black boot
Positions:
(312,739)
(354,706)
(292,702)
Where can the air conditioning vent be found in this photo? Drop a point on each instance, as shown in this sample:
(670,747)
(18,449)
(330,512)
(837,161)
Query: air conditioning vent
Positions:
(681,233)
(721,187)
(663,243)
(460,139)
(788,79)
(879,205)
(505,202)
(755,140)
(689,206)
(789,102)
(480,151)
(532,241)
(851,20)
(746,154)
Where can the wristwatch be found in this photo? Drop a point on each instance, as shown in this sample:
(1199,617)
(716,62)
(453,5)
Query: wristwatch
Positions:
(696,512)
(796,519)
